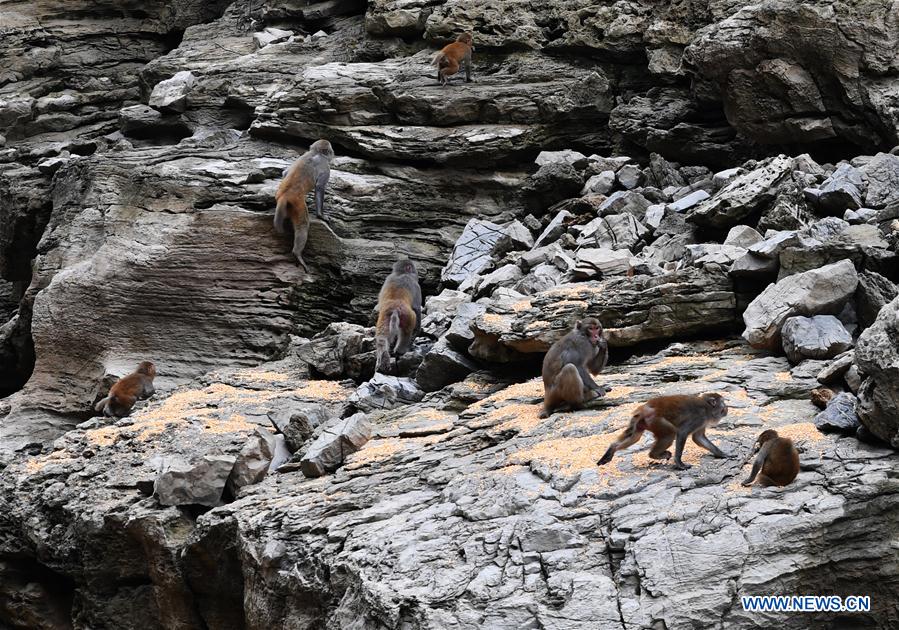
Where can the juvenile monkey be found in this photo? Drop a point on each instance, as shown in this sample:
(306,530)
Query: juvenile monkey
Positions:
(127,390)
(310,172)
(777,463)
(568,365)
(672,418)
(399,313)
(450,57)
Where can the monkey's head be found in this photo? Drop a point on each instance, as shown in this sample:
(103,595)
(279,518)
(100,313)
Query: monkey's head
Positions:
(465,38)
(323,147)
(767,434)
(405,266)
(717,406)
(590,328)
(146,367)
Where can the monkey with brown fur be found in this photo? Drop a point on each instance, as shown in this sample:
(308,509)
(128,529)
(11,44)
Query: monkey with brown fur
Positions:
(568,365)
(310,172)
(127,390)
(399,313)
(449,59)
(670,419)
(777,463)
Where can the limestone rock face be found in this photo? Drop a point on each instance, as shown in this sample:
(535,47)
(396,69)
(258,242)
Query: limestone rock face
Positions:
(877,356)
(474,461)
(652,164)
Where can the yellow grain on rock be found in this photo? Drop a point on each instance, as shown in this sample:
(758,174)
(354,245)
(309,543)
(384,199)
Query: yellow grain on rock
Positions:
(521,417)
(800,431)
(322,390)
(567,455)
(373,451)
(102,437)
(37,464)
(521,305)
(537,324)
(382,449)
(783,376)
(495,319)
(528,389)
(262,375)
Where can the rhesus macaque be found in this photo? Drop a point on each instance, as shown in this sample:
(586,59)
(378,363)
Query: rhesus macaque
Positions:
(451,57)
(399,313)
(672,418)
(568,365)
(127,390)
(310,172)
(777,463)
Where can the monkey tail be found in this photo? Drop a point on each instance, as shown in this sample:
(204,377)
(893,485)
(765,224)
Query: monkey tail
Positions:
(281,214)
(102,403)
(438,58)
(393,327)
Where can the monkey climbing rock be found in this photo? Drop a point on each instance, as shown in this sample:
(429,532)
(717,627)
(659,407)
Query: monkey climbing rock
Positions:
(127,390)
(309,173)
(399,313)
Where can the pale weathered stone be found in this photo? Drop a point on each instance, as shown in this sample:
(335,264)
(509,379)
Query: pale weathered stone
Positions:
(815,292)
(329,450)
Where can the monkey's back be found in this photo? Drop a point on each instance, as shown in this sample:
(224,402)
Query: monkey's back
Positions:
(782,464)
(396,296)
(454,52)
(298,182)
(127,389)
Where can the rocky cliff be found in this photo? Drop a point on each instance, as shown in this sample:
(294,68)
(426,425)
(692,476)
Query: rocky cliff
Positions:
(687,172)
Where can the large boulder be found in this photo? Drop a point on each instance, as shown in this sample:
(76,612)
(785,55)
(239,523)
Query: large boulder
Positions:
(877,356)
(839,415)
(818,337)
(182,481)
(471,253)
(815,292)
(743,196)
(329,450)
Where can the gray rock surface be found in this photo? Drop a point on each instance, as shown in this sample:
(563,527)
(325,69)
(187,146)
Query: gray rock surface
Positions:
(339,440)
(129,232)
(817,337)
(199,482)
(839,415)
(743,196)
(430,480)
(815,292)
(877,357)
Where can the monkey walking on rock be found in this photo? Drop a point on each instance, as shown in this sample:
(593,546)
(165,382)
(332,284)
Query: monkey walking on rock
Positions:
(568,365)
(309,173)
(127,390)
(672,419)
(451,57)
(399,313)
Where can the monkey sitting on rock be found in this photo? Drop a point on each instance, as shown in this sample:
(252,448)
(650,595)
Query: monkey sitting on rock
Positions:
(127,390)
(568,364)
(777,463)
(399,313)
(310,172)
(450,58)
(672,419)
